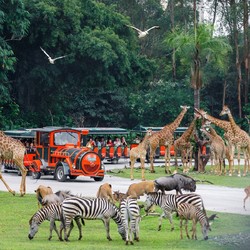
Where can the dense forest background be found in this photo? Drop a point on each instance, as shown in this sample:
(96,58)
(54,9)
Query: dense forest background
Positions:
(110,77)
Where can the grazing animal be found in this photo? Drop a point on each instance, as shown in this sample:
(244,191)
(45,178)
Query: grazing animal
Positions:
(247,191)
(51,60)
(139,152)
(130,213)
(136,190)
(92,208)
(52,213)
(169,204)
(13,150)
(105,191)
(175,181)
(57,197)
(41,192)
(118,196)
(187,212)
(141,33)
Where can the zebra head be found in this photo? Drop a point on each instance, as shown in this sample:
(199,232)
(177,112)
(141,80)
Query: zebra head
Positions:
(204,229)
(150,201)
(34,225)
(117,217)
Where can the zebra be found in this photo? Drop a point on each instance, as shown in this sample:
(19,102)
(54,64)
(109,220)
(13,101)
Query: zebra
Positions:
(169,204)
(187,212)
(52,213)
(130,213)
(91,208)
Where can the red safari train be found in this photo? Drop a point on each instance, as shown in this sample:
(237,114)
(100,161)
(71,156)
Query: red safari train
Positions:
(60,152)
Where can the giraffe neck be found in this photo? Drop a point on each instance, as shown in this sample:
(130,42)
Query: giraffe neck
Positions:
(233,124)
(145,141)
(187,134)
(210,136)
(175,124)
(226,126)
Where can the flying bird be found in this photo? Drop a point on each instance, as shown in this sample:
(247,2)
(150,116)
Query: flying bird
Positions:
(141,33)
(51,60)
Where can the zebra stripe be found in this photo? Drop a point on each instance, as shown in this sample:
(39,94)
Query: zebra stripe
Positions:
(51,213)
(169,203)
(91,208)
(130,213)
(190,212)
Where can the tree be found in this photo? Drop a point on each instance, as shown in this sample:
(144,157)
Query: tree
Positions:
(197,48)
(14,24)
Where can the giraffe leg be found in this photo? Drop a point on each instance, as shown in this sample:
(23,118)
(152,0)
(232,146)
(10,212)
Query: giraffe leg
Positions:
(132,163)
(23,181)
(152,152)
(167,160)
(142,168)
(238,158)
(6,185)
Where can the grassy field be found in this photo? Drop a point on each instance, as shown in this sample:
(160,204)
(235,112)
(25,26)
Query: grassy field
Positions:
(228,231)
(204,178)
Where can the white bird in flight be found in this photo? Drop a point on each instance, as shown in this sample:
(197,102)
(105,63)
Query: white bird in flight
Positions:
(141,33)
(51,60)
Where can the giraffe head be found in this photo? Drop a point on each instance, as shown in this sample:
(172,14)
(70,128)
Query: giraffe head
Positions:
(225,111)
(201,112)
(185,107)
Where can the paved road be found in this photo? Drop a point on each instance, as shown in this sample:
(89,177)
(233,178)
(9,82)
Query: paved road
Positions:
(216,198)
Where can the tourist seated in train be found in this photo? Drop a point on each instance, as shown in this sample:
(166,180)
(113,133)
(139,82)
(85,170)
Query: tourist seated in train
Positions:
(109,142)
(103,142)
(123,141)
(117,142)
(97,142)
(91,143)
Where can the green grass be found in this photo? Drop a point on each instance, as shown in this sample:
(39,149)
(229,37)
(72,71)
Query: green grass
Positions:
(223,180)
(16,212)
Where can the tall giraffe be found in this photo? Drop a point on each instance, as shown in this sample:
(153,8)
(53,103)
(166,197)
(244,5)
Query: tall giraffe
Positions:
(228,134)
(241,140)
(217,148)
(165,137)
(139,152)
(185,147)
(12,149)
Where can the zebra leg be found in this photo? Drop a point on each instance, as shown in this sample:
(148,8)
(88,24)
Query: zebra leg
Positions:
(77,220)
(53,226)
(130,234)
(186,228)
(70,229)
(106,224)
(194,236)
(136,229)
(181,220)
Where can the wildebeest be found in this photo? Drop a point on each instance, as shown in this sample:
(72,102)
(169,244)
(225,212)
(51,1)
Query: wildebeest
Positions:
(57,197)
(175,181)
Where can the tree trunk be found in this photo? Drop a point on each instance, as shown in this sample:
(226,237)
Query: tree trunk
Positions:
(246,51)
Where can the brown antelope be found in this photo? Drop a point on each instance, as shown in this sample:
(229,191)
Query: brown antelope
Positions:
(247,191)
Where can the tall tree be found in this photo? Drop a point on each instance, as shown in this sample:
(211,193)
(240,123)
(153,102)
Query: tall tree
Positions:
(14,24)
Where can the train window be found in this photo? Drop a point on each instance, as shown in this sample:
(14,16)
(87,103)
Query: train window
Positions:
(63,138)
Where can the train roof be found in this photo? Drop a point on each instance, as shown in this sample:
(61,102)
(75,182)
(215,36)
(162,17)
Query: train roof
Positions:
(106,130)
(144,129)
(53,128)
(20,133)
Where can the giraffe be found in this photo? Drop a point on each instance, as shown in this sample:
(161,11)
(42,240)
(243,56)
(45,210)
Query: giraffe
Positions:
(12,149)
(165,137)
(241,140)
(217,148)
(185,147)
(139,152)
(229,135)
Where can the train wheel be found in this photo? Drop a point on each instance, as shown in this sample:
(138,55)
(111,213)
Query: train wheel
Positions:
(36,175)
(98,178)
(72,177)
(60,176)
